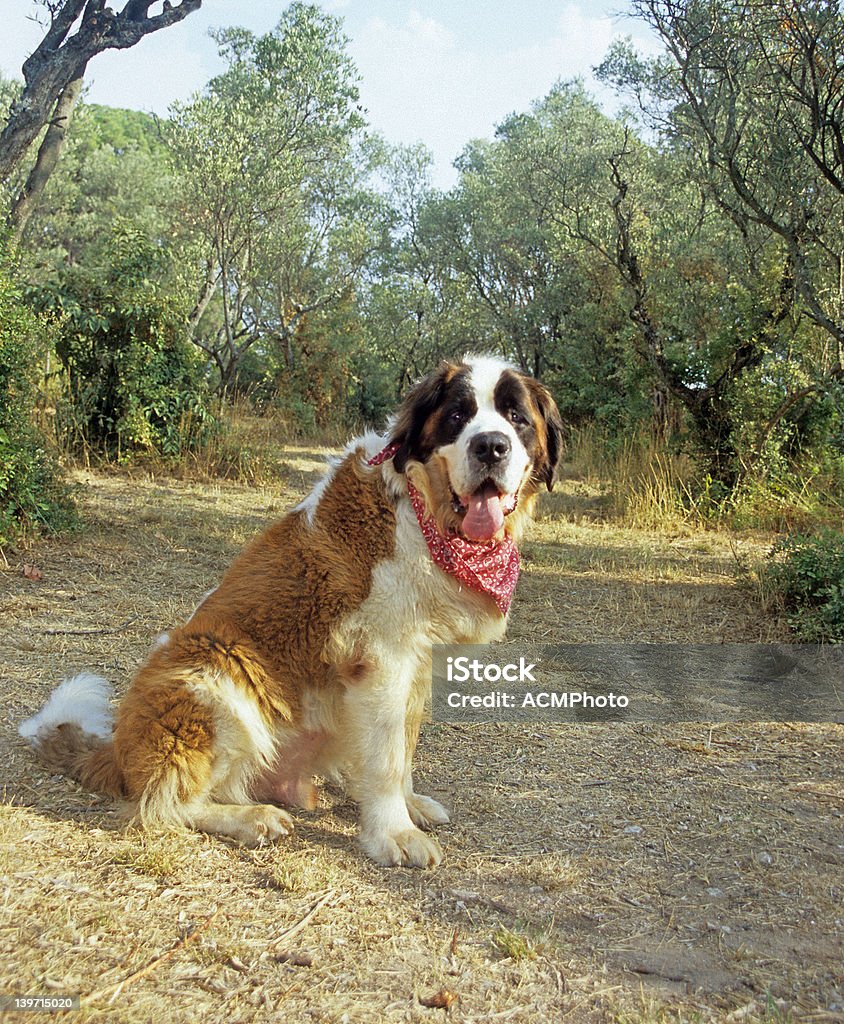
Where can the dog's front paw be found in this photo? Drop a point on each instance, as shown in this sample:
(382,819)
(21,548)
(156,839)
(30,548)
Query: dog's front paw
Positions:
(409,848)
(426,812)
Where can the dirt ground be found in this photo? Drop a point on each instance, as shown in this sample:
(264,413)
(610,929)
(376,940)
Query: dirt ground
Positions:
(599,873)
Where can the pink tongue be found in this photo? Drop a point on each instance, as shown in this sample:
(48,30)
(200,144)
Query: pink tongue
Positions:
(484,515)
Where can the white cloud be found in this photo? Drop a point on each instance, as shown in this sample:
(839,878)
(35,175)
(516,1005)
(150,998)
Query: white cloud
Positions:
(429,32)
(420,82)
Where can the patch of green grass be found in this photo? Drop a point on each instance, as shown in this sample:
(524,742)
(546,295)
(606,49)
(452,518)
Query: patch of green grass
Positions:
(514,945)
(290,876)
(150,859)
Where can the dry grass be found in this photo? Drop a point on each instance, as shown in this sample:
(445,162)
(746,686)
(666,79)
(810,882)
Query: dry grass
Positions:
(645,485)
(640,483)
(244,448)
(723,904)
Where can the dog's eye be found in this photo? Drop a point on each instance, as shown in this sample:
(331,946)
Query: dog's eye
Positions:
(456,417)
(517,418)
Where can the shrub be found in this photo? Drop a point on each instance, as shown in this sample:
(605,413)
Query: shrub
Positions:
(31,494)
(134,381)
(807,572)
(372,394)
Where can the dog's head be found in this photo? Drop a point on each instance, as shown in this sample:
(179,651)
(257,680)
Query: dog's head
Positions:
(478,439)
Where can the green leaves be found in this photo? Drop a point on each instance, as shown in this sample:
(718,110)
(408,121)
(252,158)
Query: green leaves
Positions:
(808,573)
(269,157)
(134,380)
(31,496)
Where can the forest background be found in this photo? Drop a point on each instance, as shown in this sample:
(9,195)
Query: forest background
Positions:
(262,263)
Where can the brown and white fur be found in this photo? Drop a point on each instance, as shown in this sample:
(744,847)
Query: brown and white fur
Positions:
(313,655)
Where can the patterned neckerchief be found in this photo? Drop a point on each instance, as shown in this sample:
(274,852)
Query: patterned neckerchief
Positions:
(491,568)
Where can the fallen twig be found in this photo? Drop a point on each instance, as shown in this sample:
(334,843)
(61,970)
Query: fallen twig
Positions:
(303,922)
(113,991)
(606,782)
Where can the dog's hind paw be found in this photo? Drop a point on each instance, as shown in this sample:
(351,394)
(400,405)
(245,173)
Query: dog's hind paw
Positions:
(250,824)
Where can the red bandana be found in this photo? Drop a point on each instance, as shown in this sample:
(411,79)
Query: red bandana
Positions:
(491,568)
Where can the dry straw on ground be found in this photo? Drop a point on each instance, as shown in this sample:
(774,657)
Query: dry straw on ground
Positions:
(633,874)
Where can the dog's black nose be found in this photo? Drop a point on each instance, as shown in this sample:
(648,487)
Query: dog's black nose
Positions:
(491,448)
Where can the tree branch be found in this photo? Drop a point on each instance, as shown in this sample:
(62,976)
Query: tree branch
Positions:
(60,58)
(48,156)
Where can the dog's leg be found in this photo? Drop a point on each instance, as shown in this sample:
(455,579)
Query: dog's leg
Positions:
(424,811)
(184,762)
(379,755)
(249,824)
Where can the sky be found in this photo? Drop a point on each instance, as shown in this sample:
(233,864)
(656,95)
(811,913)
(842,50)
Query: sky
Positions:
(441,72)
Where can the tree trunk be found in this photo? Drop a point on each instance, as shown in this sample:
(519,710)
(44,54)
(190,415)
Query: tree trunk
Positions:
(28,116)
(209,287)
(662,420)
(48,157)
(60,58)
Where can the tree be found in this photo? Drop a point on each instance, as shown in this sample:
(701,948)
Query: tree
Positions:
(505,244)
(541,294)
(48,157)
(30,494)
(754,93)
(415,310)
(115,169)
(269,156)
(134,380)
(78,30)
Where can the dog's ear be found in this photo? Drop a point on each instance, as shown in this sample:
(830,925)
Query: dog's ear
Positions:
(422,400)
(555,432)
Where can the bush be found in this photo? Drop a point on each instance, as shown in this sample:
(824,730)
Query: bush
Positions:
(134,381)
(372,394)
(31,494)
(807,572)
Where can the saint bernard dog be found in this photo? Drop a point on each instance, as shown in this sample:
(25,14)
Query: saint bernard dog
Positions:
(313,655)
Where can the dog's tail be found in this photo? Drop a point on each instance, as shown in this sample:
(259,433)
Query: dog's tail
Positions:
(71,734)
